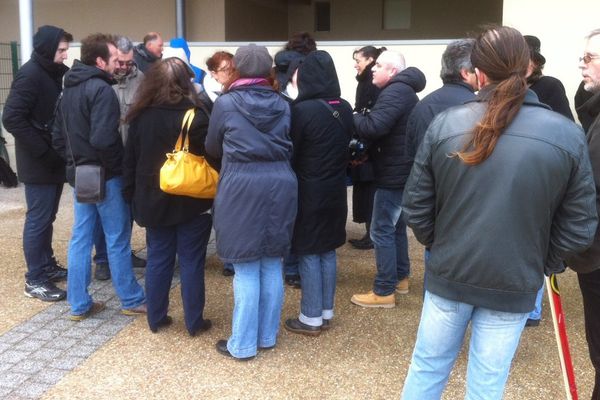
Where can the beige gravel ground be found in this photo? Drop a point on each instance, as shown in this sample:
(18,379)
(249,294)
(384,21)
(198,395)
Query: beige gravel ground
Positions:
(364,356)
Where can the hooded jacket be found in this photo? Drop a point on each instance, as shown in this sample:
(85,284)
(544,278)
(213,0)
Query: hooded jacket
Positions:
(256,202)
(143,58)
(385,128)
(320,156)
(589,260)
(29,110)
(496,227)
(91,115)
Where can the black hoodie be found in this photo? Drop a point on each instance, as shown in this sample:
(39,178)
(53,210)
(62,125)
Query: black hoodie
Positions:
(91,117)
(29,110)
(320,156)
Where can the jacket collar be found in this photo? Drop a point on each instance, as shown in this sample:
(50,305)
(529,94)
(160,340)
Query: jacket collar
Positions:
(531,99)
(591,106)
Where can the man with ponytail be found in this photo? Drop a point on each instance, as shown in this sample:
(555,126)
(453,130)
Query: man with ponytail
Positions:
(501,191)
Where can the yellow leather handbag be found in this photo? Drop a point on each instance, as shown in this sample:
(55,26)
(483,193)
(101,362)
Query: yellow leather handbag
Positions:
(187,174)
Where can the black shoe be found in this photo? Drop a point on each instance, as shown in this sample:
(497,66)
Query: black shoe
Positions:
(294,281)
(102,272)
(222,348)
(166,321)
(326,324)
(294,325)
(532,322)
(363,244)
(228,272)
(206,325)
(137,262)
(56,273)
(46,291)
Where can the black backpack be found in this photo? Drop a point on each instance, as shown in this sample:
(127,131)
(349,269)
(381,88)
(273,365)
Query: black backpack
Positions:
(8,178)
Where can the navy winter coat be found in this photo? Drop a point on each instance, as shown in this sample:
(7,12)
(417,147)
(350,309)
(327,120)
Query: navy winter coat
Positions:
(256,202)
(29,110)
(320,157)
(449,95)
(385,128)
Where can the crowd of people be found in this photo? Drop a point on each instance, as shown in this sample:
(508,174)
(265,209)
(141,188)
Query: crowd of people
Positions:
(499,187)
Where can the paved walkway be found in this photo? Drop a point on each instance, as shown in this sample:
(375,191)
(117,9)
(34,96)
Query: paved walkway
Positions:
(364,356)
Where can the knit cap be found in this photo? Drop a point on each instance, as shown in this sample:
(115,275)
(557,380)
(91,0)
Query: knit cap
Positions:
(253,61)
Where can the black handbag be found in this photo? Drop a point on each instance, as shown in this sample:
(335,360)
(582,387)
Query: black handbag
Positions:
(89,178)
(89,183)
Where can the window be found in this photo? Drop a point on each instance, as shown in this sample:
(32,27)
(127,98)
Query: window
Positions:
(322,16)
(396,14)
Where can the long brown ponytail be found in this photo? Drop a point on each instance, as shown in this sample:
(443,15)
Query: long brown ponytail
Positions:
(502,54)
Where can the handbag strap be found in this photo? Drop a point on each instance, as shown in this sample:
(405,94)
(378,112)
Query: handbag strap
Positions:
(185,127)
(64,125)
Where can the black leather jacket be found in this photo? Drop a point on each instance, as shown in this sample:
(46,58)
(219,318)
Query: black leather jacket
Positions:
(496,227)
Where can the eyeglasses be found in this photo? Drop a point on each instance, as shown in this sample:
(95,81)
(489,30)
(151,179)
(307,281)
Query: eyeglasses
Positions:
(128,64)
(587,58)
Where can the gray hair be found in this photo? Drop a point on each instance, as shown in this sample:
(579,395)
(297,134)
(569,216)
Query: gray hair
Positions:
(456,57)
(124,44)
(392,58)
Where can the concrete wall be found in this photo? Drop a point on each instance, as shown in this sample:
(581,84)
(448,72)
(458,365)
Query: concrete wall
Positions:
(561,27)
(205,20)
(132,18)
(257,20)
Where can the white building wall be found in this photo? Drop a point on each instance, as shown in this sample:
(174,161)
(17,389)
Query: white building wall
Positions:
(561,26)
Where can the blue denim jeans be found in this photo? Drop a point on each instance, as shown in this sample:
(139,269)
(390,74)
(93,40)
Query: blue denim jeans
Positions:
(258,297)
(114,214)
(101,255)
(290,265)
(537,311)
(388,233)
(42,205)
(318,275)
(188,240)
(494,339)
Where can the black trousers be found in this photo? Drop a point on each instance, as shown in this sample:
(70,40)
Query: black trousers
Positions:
(590,290)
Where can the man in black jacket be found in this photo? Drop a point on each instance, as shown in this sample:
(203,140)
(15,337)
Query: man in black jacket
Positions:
(87,132)
(385,128)
(28,115)
(460,84)
(587,264)
(149,51)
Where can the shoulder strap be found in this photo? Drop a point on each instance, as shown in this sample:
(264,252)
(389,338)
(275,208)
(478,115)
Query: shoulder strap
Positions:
(335,113)
(58,108)
(184,138)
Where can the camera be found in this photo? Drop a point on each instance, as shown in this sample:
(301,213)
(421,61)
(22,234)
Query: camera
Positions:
(358,149)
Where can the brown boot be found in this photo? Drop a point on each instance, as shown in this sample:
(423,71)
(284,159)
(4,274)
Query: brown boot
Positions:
(372,300)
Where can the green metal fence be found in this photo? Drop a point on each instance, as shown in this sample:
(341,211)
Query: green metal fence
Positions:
(9,64)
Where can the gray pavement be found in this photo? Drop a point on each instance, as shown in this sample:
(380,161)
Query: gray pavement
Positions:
(37,353)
